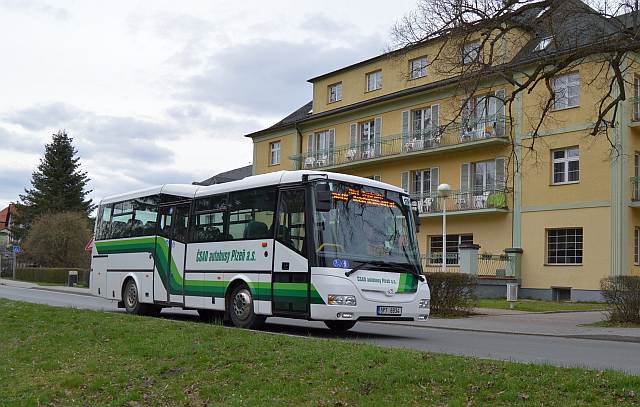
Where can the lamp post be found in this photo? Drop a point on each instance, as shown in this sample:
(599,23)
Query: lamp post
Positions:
(444,190)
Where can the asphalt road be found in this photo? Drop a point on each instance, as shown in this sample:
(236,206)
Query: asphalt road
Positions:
(589,353)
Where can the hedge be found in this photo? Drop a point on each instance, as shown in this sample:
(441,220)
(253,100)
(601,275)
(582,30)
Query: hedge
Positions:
(452,293)
(622,294)
(49,275)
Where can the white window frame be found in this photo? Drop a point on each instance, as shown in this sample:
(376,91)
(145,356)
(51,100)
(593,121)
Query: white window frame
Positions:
(274,152)
(566,236)
(450,251)
(565,164)
(543,44)
(470,52)
(373,80)
(636,98)
(636,246)
(334,92)
(566,89)
(418,68)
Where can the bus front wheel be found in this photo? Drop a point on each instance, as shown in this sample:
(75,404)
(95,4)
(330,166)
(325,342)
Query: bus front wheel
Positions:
(339,326)
(241,310)
(132,303)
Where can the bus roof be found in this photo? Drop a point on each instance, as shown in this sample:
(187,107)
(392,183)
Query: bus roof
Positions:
(256,181)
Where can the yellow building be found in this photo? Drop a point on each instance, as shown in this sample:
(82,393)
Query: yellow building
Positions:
(566,199)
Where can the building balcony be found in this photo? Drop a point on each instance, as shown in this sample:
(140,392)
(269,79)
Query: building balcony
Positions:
(475,201)
(489,131)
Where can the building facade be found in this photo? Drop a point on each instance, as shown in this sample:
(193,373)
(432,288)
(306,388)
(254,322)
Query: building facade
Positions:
(568,200)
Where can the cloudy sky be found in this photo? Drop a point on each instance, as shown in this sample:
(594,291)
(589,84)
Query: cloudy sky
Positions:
(163,91)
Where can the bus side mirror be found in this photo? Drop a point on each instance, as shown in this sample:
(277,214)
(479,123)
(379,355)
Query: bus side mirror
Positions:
(416,215)
(323,198)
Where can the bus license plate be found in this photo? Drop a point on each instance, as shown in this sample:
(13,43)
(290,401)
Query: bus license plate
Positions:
(385,310)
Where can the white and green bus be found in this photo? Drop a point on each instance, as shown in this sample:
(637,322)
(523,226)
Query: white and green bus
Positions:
(297,244)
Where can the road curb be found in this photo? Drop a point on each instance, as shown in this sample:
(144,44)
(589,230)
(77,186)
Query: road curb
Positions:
(595,337)
(88,294)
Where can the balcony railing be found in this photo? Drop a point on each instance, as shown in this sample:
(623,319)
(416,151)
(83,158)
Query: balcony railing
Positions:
(635,189)
(635,108)
(490,128)
(474,199)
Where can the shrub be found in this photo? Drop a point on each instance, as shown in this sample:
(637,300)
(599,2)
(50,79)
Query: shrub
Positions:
(622,294)
(49,275)
(452,293)
(58,240)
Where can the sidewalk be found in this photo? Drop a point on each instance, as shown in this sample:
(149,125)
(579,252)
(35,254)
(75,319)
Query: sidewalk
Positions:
(561,324)
(55,288)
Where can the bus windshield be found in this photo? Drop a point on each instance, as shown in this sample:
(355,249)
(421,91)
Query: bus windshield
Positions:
(366,225)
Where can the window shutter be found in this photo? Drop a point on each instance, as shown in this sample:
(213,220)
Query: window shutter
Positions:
(404,180)
(405,126)
(500,119)
(377,133)
(435,180)
(464,116)
(310,146)
(465,177)
(435,120)
(353,131)
(339,92)
(501,173)
(331,143)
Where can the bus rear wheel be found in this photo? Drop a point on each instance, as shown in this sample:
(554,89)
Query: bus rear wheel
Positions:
(132,302)
(340,326)
(241,309)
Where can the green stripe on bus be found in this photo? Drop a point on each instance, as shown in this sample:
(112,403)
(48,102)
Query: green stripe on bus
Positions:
(261,291)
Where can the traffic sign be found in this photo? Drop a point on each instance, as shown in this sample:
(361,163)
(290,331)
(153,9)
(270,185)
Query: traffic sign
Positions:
(89,246)
(16,249)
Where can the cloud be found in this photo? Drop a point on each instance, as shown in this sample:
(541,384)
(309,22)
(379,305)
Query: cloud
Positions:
(43,116)
(35,7)
(13,183)
(268,77)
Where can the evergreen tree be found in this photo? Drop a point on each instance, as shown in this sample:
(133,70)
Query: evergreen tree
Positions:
(58,185)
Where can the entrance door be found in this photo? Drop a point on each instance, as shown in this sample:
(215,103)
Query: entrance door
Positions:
(171,250)
(291,276)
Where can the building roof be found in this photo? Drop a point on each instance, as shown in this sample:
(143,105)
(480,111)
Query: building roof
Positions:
(228,176)
(571,30)
(5,216)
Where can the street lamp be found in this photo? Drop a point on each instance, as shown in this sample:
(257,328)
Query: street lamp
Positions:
(444,190)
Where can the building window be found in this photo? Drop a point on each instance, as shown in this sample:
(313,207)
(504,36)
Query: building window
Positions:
(375,178)
(483,116)
(636,98)
(564,246)
(636,246)
(470,52)
(374,80)
(320,148)
(335,92)
(274,150)
(566,89)
(543,44)
(453,243)
(566,166)
(418,68)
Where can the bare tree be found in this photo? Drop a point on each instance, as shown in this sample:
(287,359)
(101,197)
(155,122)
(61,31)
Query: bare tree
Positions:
(527,44)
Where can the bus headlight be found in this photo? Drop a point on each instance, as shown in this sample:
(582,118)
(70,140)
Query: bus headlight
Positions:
(424,303)
(349,300)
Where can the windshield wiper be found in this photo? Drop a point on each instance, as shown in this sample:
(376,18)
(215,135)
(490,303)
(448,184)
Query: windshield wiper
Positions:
(365,263)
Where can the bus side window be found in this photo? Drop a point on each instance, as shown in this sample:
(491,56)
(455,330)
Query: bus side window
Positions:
(251,214)
(103,230)
(208,221)
(145,216)
(122,220)
(291,220)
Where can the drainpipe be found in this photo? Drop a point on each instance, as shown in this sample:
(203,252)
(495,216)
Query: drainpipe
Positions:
(299,145)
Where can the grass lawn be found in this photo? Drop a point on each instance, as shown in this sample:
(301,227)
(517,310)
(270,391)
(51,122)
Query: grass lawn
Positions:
(541,306)
(56,356)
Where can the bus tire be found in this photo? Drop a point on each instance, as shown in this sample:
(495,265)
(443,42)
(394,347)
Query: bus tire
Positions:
(340,326)
(130,298)
(241,309)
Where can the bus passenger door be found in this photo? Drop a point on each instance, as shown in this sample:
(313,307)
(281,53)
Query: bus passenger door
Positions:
(172,249)
(291,277)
